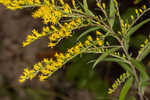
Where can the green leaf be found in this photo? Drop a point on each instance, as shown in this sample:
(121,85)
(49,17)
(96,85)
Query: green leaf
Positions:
(123,64)
(139,66)
(137,40)
(132,30)
(88,31)
(111,13)
(104,55)
(85,6)
(136,27)
(126,88)
(143,84)
(143,74)
(145,51)
(112,59)
(125,67)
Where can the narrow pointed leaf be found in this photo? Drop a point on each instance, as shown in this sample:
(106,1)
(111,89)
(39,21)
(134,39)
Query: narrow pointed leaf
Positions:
(125,67)
(143,74)
(86,9)
(123,64)
(126,88)
(132,30)
(111,13)
(136,27)
(145,51)
(104,55)
(112,59)
(141,68)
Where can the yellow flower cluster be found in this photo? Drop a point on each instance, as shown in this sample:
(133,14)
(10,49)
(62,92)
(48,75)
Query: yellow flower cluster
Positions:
(138,12)
(48,66)
(51,14)
(30,74)
(99,39)
(36,35)
(125,26)
(142,46)
(118,81)
(63,32)
(48,13)
(18,4)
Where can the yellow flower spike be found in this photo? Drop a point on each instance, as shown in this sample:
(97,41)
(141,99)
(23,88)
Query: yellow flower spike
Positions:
(54,68)
(122,23)
(62,2)
(126,25)
(48,66)
(61,55)
(132,17)
(45,71)
(32,76)
(25,44)
(104,5)
(36,67)
(46,29)
(31,38)
(48,13)
(98,33)
(23,77)
(110,91)
(28,74)
(116,2)
(118,81)
(37,1)
(73,23)
(30,2)
(26,70)
(68,55)
(98,4)
(87,43)
(70,51)
(59,64)
(67,8)
(80,44)
(146,41)
(90,38)
(47,2)
(42,77)
(100,42)
(144,7)
(35,32)
(53,2)
(74,4)
(51,45)
(5,2)
(45,60)
(142,45)
(56,55)
(54,28)
(141,10)
(137,12)
(21,80)
(77,49)
(68,34)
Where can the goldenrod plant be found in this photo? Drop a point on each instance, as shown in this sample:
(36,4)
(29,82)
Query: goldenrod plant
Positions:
(61,19)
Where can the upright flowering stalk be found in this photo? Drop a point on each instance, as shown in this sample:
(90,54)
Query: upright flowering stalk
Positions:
(60,19)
